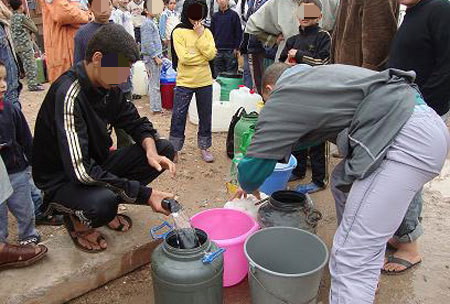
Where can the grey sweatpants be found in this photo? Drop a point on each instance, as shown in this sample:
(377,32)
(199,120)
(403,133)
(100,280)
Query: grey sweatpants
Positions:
(375,206)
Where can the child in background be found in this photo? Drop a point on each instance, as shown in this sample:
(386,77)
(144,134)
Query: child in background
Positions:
(15,150)
(169,19)
(193,49)
(101,9)
(136,7)
(21,28)
(227,31)
(311,46)
(122,16)
(151,49)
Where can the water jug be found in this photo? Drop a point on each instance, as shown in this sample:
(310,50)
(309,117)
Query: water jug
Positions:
(228,82)
(244,97)
(139,78)
(243,132)
(188,276)
(289,209)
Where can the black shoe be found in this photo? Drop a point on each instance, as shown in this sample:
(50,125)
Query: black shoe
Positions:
(50,220)
(135,96)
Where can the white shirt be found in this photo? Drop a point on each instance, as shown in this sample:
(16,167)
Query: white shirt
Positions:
(124,19)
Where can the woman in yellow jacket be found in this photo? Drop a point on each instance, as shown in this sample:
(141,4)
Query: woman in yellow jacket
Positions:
(192,51)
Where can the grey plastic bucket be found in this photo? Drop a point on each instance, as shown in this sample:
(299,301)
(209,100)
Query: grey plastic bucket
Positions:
(285,265)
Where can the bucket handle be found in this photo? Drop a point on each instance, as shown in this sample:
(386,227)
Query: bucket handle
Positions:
(211,256)
(154,230)
(252,273)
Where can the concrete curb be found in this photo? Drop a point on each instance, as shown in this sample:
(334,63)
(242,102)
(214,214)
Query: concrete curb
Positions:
(67,272)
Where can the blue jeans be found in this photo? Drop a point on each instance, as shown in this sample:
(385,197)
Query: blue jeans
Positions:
(36,196)
(182,99)
(21,206)
(248,82)
(410,229)
(225,62)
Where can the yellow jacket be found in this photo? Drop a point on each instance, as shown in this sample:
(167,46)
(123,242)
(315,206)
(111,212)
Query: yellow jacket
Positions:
(194,54)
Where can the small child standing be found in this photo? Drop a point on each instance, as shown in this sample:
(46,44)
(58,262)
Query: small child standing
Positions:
(15,150)
(122,16)
(101,9)
(21,27)
(169,19)
(311,46)
(227,31)
(136,7)
(151,49)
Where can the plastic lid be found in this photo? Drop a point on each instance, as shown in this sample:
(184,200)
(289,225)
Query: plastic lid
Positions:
(241,86)
(252,91)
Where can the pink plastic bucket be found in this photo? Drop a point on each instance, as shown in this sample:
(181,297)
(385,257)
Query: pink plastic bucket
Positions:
(229,229)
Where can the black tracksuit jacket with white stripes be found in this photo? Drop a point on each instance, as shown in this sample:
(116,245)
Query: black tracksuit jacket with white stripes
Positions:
(72,135)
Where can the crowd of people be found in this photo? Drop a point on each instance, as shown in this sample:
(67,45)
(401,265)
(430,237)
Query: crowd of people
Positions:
(348,72)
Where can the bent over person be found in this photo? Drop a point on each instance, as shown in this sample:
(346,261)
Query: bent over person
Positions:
(73,165)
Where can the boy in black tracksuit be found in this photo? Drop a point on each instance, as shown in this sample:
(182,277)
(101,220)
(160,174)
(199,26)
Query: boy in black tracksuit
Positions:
(72,162)
(311,46)
(227,31)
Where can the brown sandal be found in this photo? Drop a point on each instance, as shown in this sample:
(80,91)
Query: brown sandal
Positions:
(76,235)
(122,217)
(13,256)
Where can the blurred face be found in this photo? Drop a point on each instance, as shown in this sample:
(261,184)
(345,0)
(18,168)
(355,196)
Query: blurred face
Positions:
(123,3)
(109,70)
(172,5)
(309,14)
(222,3)
(3,83)
(154,7)
(101,10)
(409,3)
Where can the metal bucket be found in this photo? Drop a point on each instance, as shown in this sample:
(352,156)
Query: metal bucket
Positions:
(285,265)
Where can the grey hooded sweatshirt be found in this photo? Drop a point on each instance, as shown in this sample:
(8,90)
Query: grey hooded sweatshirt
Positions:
(358,109)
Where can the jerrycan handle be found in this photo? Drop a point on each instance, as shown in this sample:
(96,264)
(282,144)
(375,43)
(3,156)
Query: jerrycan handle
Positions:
(154,230)
(211,256)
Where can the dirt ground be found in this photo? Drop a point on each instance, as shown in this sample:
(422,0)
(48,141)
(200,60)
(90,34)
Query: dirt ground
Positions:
(201,186)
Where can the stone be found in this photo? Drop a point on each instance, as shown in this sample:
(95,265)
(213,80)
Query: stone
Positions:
(67,272)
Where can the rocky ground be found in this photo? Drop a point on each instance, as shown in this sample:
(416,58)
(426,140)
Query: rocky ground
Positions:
(201,186)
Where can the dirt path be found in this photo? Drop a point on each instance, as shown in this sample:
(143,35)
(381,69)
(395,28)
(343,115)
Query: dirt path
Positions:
(201,186)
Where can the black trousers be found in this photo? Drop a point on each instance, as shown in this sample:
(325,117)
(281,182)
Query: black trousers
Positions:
(137,34)
(225,61)
(318,163)
(96,206)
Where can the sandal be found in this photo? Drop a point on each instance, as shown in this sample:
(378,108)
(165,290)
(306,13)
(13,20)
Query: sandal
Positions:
(399,261)
(76,235)
(122,217)
(13,256)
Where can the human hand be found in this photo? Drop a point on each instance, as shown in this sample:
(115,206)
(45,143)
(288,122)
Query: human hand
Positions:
(199,28)
(161,162)
(155,201)
(158,60)
(241,193)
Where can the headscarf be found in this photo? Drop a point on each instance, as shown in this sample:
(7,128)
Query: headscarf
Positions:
(186,24)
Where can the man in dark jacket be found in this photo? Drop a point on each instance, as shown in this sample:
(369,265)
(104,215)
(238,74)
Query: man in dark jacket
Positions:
(422,44)
(227,31)
(73,164)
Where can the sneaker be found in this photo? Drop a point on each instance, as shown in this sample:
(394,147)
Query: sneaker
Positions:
(36,88)
(309,188)
(135,96)
(294,177)
(33,241)
(207,156)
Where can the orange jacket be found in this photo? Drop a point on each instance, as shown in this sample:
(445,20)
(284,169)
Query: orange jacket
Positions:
(61,19)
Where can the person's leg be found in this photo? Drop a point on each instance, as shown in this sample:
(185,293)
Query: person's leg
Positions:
(339,196)
(29,65)
(154,92)
(360,240)
(137,34)
(131,162)
(247,75)
(219,64)
(318,163)
(302,159)
(231,63)
(204,107)
(123,139)
(258,70)
(21,206)
(181,102)
(3,221)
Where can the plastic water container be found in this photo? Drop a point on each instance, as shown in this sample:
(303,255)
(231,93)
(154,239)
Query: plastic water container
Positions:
(229,229)
(280,177)
(167,93)
(216,92)
(139,78)
(228,82)
(244,97)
